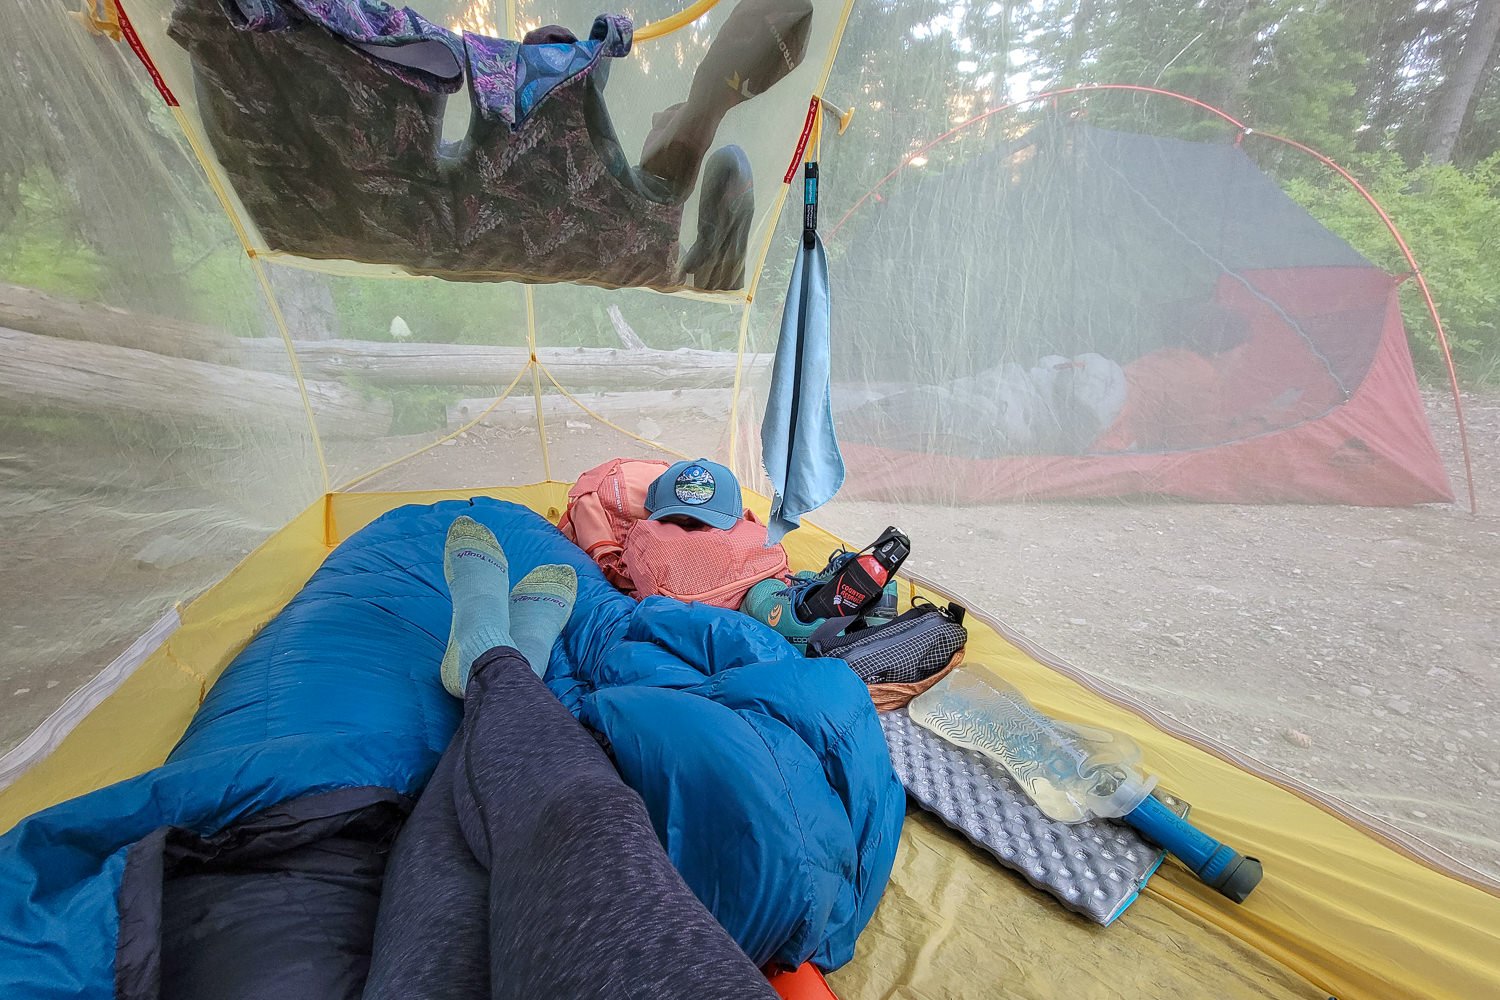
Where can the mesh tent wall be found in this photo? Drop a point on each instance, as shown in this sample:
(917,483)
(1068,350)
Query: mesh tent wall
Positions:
(1242,325)
(188,424)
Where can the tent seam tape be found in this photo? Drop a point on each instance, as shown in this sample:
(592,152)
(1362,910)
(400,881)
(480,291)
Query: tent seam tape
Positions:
(47,737)
(446,437)
(739,377)
(604,420)
(536,382)
(330,522)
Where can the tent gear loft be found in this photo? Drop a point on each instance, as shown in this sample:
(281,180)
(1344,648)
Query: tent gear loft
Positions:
(541,152)
(1032,305)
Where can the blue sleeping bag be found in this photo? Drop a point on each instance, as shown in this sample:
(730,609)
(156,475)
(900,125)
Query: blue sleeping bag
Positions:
(765,774)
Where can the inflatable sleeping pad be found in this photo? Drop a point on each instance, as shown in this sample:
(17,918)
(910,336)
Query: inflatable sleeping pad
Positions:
(765,775)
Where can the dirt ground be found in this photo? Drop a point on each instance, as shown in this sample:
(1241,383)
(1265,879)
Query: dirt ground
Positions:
(1355,649)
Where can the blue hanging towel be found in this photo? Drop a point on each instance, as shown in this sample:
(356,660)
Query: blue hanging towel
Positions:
(799,446)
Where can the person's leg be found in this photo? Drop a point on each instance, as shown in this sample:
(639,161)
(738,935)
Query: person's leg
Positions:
(478,578)
(761,42)
(540,606)
(726,211)
(431,936)
(583,901)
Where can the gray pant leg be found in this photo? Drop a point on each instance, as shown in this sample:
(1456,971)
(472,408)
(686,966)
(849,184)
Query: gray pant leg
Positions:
(431,937)
(583,901)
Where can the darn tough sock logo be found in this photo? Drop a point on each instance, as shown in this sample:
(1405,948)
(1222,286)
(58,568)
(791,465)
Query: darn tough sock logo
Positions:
(557,602)
(786,53)
(481,556)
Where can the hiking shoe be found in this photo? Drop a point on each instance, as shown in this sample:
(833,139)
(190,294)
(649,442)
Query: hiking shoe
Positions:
(774,602)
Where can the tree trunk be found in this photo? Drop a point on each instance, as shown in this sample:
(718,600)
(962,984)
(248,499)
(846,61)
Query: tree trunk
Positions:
(1239,57)
(306,300)
(623,408)
(578,369)
(37,312)
(1077,45)
(1463,84)
(624,330)
(70,377)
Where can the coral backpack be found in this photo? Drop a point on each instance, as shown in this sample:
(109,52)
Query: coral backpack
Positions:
(701,564)
(606,517)
(602,506)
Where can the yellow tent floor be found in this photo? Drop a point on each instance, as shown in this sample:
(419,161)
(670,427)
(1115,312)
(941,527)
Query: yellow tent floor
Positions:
(955,925)
(1338,908)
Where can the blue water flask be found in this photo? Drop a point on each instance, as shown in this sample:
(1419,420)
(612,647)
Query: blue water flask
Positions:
(1220,866)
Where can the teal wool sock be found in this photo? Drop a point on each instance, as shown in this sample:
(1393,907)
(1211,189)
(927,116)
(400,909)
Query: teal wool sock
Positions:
(478,580)
(539,608)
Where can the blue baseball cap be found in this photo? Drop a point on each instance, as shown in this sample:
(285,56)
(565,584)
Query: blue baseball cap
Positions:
(702,490)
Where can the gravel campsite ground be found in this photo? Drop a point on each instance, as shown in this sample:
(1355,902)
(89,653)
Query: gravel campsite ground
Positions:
(1355,649)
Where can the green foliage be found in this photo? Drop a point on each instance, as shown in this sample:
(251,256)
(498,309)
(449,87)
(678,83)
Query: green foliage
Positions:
(418,409)
(438,312)
(38,248)
(1303,83)
(1451,219)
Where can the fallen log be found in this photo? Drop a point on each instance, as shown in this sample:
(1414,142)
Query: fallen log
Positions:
(578,368)
(68,376)
(628,409)
(53,316)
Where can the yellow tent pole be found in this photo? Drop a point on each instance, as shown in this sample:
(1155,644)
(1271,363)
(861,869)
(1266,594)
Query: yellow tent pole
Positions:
(669,24)
(536,381)
(739,377)
(446,437)
(833,51)
(291,352)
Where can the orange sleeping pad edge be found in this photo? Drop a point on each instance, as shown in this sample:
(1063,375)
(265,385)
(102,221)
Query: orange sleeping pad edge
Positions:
(804,983)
